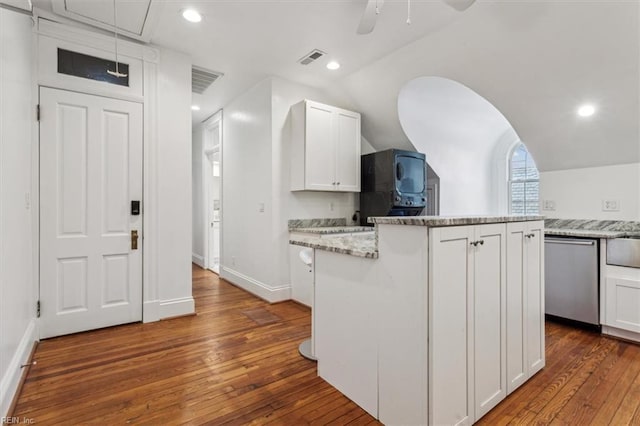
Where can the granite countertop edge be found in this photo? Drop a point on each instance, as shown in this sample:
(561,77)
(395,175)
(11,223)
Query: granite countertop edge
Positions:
(589,233)
(327,230)
(434,221)
(341,250)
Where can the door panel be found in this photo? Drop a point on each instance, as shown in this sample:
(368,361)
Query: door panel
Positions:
(71,176)
(320,156)
(72,283)
(451,366)
(516,306)
(348,151)
(489,318)
(90,170)
(535,297)
(115,183)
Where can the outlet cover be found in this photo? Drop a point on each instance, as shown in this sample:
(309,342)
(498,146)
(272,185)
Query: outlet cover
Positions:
(610,205)
(548,205)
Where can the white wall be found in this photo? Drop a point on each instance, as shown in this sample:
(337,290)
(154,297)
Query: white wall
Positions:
(579,193)
(246,186)
(197,247)
(256,148)
(458,131)
(17,291)
(299,204)
(174,184)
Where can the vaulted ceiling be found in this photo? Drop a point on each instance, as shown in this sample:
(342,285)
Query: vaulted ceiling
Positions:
(535,60)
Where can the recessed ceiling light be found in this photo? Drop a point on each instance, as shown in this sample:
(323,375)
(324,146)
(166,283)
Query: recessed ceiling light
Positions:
(333,65)
(191,15)
(586,110)
(195,108)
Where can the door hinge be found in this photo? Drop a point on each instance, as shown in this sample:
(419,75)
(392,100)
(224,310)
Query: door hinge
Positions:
(38,112)
(38,309)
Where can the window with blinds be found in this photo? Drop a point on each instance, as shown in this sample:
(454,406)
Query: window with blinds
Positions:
(524,183)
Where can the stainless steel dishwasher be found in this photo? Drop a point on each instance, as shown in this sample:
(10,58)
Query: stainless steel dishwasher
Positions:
(572,278)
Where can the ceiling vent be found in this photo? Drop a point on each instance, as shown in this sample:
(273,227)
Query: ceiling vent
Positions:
(311,56)
(201,79)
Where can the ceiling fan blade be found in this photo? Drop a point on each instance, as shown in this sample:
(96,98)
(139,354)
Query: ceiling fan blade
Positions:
(368,20)
(459,4)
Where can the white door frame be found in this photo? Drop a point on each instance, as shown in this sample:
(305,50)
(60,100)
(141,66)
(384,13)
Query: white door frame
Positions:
(207,147)
(92,43)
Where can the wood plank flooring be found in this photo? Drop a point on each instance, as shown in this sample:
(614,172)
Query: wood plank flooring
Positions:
(236,362)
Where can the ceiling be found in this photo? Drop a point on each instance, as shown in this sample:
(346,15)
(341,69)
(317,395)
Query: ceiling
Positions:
(250,40)
(535,60)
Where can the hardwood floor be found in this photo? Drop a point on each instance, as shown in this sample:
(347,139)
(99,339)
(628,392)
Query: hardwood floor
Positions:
(236,362)
(588,380)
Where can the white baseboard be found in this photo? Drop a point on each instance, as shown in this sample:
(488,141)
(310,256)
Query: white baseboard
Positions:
(151,311)
(253,286)
(197,259)
(11,379)
(622,334)
(176,307)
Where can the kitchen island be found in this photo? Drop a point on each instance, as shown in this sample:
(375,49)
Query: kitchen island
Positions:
(431,320)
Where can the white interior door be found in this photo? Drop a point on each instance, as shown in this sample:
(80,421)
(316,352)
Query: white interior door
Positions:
(214,211)
(90,171)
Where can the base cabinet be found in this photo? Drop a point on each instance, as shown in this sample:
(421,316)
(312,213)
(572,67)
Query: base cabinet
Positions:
(301,275)
(440,328)
(466,322)
(620,298)
(525,302)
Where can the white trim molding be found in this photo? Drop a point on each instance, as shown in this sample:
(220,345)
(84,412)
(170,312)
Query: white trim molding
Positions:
(89,40)
(11,380)
(198,260)
(176,307)
(255,287)
(621,334)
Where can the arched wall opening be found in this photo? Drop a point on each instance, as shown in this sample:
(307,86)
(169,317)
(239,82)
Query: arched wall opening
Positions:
(467,142)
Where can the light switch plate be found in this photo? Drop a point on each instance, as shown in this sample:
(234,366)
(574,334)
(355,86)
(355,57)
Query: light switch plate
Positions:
(548,205)
(610,205)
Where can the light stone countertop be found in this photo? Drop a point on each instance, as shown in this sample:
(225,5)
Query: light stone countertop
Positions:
(365,244)
(434,221)
(590,228)
(333,229)
(589,233)
(361,244)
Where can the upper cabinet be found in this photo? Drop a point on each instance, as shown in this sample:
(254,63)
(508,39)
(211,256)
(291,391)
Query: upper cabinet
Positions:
(325,148)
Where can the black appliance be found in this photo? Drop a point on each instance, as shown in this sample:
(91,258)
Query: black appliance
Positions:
(394,183)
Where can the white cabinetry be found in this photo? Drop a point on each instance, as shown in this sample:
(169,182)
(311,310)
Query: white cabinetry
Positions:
(346,338)
(525,302)
(301,276)
(467,326)
(620,299)
(325,148)
(425,328)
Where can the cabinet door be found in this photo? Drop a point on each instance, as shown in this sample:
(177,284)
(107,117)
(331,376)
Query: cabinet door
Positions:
(517,369)
(534,284)
(450,316)
(489,309)
(301,276)
(347,125)
(320,154)
(623,302)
